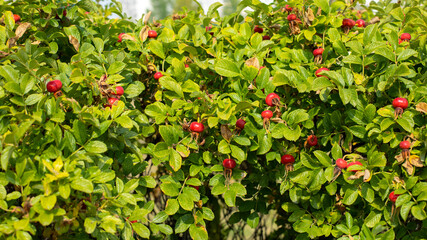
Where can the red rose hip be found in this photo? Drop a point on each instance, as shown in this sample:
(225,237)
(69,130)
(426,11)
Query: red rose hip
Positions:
(158,75)
(54,86)
(197,127)
(312,140)
(121,37)
(258,29)
(112,102)
(288,8)
(269,100)
(229,163)
(287,159)
(152,34)
(405,36)
(393,197)
(317,52)
(240,123)
(360,23)
(267,114)
(119,90)
(341,163)
(16,17)
(400,103)
(354,163)
(317,73)
(405,145)
(291,17)
(266,37)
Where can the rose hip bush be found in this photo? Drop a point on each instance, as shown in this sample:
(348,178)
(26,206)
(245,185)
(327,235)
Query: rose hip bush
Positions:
(111,129)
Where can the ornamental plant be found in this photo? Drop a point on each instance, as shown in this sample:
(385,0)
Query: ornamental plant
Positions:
(92,160)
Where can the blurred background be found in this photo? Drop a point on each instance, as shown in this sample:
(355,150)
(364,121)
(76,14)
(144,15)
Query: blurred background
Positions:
(163,8)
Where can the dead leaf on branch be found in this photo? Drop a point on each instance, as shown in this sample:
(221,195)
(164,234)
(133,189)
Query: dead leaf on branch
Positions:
(357,175)
(254,62)
(147,17)
(226,133)
(415,161)
(74,42)
(421,107)
(143,34)
(22,28)
(409,168)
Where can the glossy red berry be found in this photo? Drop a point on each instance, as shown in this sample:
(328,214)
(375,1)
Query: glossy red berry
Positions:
(400,103)
(317,73)
(229,163)
(152,34)
(158,75)
(317,52)
(291,17)
(270,97)
(195,187)
(348,23)
(121,37)
(187,66)
(267,114)
(360,23)
(354,163)
(112,102)
(341,163)
(393,197)
(288,8)
(197,127)
(405,145)
(54,86)
(286,159)
(240,123)
(405,36)
(258,29)
(16,17)
(312,140)
(266,37)
(119,90)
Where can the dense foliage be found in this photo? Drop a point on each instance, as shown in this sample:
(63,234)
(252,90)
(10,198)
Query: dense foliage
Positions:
(81,160)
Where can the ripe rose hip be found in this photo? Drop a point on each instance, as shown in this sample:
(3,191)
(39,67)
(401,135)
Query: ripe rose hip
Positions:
(119,90)
(341,163)
(317,52)
(270,97)
(229,163)
(291,17)
(286,159)
(152,34)
(121,37)
(288,8)
(258,29)
(354,163)
(111,102)
(266,37)
(158,75)
(405,145)
(267,114)
(16,17)
(348,23)
(197,127)
(405,36)
(240,123)
(400,103)
(393,197)
(360,23)
(54,86)
(187,66)
(312,140)
(317,73)
(195,187)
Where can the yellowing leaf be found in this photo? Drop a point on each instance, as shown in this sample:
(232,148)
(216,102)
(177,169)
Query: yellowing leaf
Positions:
(421,107)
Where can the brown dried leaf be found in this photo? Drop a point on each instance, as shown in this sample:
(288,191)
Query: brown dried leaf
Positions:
(254,62)
(399,158)
(147,17)
(374,20)
(11,42)
(308,17)
(226,133)
(3,54)
(409,168)
(421,107)
(367,176)
(74,42)
(415,161)
(143,34)
(128,37)
(22,28)
(357,175)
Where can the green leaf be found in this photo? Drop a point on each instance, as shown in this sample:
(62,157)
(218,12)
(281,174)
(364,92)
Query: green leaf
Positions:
(124,121)
(238,153)
(198,232)
(169,134)
(372,219)
(321,83)
(208,214)
(172,206)
(230,198)
(323,4)
(170,84)
(184,223)
(48,202)
(253,220)
(156,47)
(160,217)
(350,196)
(134,89)
(227,68)
(405,54)
(141,230)
(116,68)
(170,189)
(83,185)
(96,147)
(405,209)
(418,212)
(186,201)
(90,224)
(323,158)
(175,160)
(369,33)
